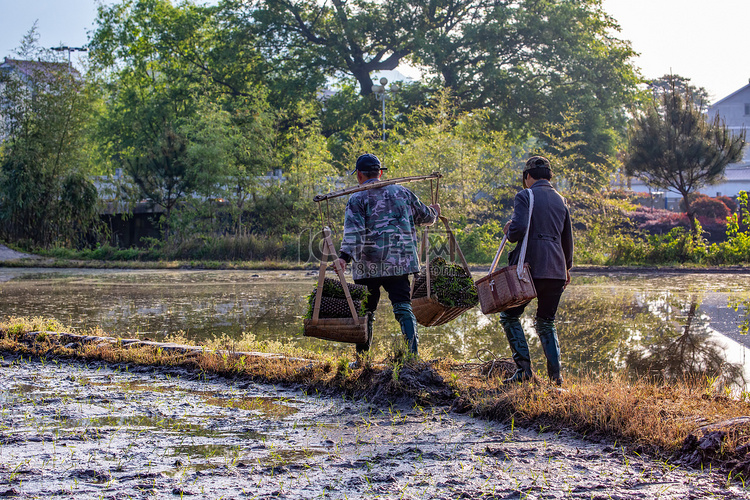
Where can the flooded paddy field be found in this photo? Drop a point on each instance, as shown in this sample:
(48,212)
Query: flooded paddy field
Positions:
(678,323)
(73,430)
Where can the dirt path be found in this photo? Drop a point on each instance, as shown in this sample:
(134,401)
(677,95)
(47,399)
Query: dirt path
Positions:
(69,430)
(8,254)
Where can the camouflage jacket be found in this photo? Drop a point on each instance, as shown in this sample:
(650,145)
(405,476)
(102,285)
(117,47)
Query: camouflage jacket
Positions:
(380,233)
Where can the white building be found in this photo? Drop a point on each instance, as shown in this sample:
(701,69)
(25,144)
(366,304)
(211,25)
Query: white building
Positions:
(734,109)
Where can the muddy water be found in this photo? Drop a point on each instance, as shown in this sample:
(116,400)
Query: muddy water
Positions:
(665,323)
(73,431)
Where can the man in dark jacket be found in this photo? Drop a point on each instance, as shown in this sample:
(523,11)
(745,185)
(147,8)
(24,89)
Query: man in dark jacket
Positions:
(549,254)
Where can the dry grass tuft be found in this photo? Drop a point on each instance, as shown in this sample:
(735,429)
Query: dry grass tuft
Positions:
(640,412)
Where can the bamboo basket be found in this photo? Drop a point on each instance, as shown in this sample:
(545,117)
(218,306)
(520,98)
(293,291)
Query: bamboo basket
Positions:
(338,329)
(352,330)
(332,307)
(504,289)
(427,309)
(510,286)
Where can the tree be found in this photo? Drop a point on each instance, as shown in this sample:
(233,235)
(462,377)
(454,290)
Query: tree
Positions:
(476,163)
(164,174)
(187,113)
(533,63)
(673,145)
(355,38)
(45,194)
(142,130)
(528,62)
(664,84)
(564,143)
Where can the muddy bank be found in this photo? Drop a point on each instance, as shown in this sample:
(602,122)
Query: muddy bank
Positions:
(8,254)
(71,430)
(14,259)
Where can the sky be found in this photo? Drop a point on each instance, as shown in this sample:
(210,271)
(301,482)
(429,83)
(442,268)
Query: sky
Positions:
(706,41)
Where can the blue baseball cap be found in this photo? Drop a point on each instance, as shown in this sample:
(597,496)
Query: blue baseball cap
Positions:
(368,162)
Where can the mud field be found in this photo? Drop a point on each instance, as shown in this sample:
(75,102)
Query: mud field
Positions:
(70,430)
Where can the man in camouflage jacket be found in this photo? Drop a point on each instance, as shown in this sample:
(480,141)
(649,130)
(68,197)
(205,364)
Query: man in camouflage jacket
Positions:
(380,237)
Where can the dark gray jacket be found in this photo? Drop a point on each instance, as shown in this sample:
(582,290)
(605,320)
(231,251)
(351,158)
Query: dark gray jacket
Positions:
(550,247)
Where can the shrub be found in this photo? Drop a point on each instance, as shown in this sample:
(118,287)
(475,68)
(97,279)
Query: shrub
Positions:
(713,224)
(734,251)
(229,247)
(626,249)
(659,221)
(737,247)
(679,245)
(705,206)
(729,202)
(479,242)
(710,207)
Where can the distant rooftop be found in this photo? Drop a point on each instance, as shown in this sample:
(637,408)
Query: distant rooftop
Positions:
(34,68)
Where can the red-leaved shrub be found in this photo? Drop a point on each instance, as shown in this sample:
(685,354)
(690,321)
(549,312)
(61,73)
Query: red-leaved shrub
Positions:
(729,202)
(710,207)
(705,206)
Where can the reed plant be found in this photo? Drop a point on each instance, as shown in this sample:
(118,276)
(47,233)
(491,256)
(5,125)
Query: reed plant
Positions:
(225,247)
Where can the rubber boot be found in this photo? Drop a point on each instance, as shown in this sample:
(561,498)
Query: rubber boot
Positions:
(405,316)
(519,347)
(545,328)
(523,373)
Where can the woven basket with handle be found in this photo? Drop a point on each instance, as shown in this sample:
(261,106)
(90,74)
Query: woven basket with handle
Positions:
(510,286)
(352,329)
(426,305)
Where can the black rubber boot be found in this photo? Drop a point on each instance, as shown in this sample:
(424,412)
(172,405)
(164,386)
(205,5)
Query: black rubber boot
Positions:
(547,332)
(522,374)
(519,347)
(405,316)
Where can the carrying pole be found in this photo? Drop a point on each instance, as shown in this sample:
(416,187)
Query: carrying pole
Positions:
(374,185)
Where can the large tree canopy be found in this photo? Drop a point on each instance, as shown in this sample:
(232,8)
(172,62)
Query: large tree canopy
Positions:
(355,38)
(529,63)
(209,77)
(533,63)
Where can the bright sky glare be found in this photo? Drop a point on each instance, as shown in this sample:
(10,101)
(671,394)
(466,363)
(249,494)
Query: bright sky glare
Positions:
(704,41)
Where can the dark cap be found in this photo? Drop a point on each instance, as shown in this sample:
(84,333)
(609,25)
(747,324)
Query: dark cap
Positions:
(536,162)
(368,163)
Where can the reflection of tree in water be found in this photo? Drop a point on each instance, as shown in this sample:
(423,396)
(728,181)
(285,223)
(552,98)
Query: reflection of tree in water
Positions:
(738,304)
(594,331)
(459,339)
(681,346)
(656,335)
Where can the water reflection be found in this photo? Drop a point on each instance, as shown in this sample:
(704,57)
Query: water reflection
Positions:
(660,325)
(663,334)
(743,308)
(686,347)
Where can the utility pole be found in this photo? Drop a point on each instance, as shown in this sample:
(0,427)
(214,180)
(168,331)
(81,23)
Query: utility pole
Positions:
(380,95)
(70,49)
